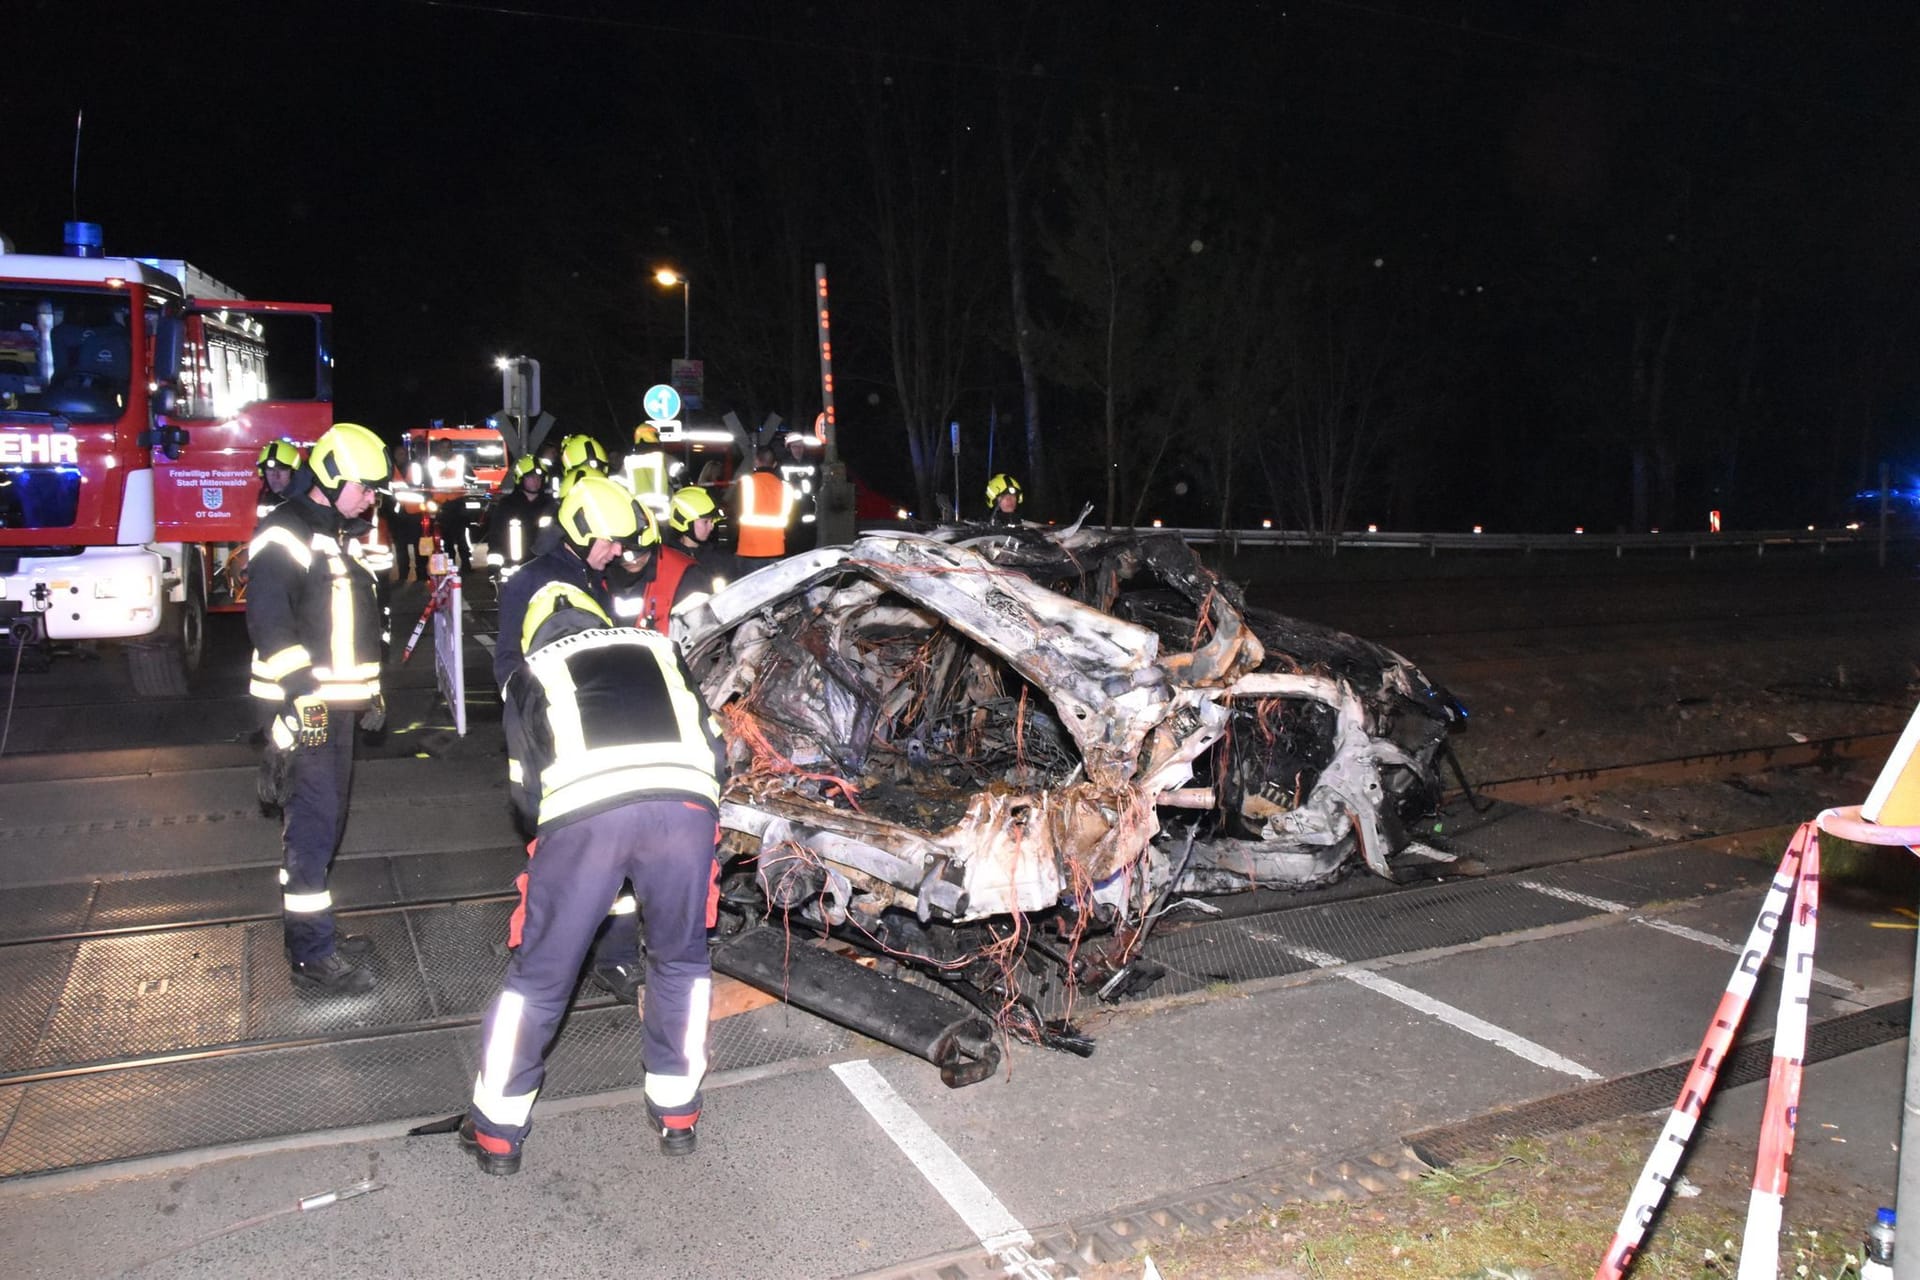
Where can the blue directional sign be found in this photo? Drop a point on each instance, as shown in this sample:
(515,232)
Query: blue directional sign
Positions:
(661,402)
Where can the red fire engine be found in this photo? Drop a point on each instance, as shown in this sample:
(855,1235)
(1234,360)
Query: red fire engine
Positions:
(135,396)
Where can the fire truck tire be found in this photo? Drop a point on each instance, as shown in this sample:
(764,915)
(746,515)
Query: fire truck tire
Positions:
(165,664)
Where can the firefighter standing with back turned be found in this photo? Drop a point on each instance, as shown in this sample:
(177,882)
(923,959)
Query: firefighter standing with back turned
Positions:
(613,752)
(315,627)
(766,505)
(577,566)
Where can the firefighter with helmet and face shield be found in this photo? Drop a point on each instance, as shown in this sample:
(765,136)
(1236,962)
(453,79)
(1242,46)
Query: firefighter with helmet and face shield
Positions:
(315,625)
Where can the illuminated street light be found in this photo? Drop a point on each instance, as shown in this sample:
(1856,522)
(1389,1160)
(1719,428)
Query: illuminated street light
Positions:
(667,277)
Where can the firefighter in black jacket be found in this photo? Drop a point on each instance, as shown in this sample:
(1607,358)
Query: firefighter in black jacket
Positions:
(279,459)
(315,627)
(597,525)
(518,518)
(613,753)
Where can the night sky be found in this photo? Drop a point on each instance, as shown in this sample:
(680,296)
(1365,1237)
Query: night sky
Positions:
(1425,264)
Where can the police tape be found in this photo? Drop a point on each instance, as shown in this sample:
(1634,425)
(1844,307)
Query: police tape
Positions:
(442,592)
(1760,1246)
(1657,1175)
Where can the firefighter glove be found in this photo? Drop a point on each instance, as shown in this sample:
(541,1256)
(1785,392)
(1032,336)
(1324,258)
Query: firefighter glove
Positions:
(374,718)
(310,721)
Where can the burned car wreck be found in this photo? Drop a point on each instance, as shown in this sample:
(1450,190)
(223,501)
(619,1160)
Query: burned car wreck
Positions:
(996,758)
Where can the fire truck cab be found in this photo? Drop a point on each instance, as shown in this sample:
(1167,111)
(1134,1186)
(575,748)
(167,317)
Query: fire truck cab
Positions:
(135,396)
(449,475)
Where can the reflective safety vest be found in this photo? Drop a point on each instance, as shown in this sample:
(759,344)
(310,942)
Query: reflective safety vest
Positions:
(447,474)
(766,504)
(623,721)
(311,608)
(645,475)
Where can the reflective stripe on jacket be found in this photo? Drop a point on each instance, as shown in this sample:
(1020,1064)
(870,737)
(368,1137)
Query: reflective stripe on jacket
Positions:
(311,609)
(766,504)
(610,715)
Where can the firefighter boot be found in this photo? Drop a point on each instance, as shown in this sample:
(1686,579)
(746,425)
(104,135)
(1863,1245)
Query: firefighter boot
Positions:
(622,980)
(498,1156)
(333,974)
(677,1137)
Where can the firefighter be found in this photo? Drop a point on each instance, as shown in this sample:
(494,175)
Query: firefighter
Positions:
(315,627)
(279,459)
(582,451)
(598,523)
(766,505)
(516,521)
(447,476)
(614,755)
(1004,496)
(630,577)
(647,471)
(692,517)
(408,519)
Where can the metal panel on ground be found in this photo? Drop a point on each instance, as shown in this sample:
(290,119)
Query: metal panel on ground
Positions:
(31,978)
(147,993)
(44,910)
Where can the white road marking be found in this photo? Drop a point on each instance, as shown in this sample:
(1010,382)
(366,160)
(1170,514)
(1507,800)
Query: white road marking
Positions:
(484,640)
(1459,1019)
(1821,976)
(991,1222)
(1568,895)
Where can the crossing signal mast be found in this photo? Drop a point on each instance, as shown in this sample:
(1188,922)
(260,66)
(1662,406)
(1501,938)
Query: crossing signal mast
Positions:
(835,522)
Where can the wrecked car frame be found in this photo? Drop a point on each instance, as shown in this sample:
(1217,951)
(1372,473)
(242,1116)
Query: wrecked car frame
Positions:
(994,755)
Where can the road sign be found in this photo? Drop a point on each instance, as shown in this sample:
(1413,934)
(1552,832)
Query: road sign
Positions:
(661,402)
(690,380)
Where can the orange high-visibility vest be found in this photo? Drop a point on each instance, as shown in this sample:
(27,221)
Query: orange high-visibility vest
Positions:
(766,504)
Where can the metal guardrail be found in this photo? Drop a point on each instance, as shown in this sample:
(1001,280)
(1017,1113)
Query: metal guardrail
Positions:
(1619,544)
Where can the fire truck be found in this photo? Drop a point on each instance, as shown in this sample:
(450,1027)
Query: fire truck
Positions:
(449,476)
(135,396)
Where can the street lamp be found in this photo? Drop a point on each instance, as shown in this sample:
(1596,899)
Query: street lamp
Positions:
(668,277)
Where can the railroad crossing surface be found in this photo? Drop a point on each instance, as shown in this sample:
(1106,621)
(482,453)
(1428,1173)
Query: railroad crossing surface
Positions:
(166,1100)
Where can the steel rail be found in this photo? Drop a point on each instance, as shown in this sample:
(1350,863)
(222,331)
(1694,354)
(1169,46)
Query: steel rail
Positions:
(1821,752)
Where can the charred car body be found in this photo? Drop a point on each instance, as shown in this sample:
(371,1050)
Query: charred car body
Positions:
(996,757)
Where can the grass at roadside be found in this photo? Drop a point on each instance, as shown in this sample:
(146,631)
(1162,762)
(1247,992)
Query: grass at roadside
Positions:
(1539,1208)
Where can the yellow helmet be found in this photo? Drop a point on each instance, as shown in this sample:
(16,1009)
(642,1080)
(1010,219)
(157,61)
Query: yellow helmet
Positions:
(523,466)
(595,507)
(582,451)
(278,453)
(690,504)
(551,599)
(1004,483)
(348,452)
(646,433)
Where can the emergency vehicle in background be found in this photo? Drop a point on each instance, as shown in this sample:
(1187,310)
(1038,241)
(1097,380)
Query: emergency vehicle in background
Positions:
(446,465)
(135,397)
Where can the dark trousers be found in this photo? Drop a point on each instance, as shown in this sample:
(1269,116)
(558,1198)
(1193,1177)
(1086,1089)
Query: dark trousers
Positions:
(312,821)
(665,847)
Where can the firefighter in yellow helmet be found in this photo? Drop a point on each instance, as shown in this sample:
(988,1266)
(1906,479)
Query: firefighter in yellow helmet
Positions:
(598,524)
(525,512)
(615,759)
(582,451)
(314,621)
(1004,496)
(647,471)
(279,459)
(693,517)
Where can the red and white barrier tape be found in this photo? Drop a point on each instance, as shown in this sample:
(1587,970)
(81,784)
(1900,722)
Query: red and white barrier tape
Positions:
(1760,1246)
(1657,1175)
